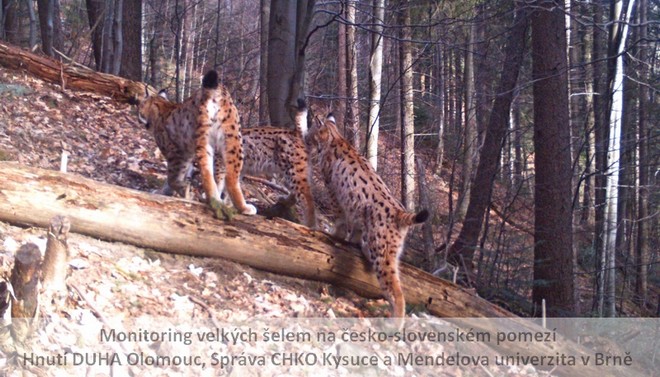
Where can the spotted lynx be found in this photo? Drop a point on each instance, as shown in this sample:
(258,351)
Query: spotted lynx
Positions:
(366,206)
(204,125)
(277,151)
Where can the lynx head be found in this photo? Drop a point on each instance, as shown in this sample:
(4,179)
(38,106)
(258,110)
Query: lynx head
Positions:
(152,108)
(322,133)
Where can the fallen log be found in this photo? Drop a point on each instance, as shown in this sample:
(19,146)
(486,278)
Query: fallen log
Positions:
(69,75)
(33,196)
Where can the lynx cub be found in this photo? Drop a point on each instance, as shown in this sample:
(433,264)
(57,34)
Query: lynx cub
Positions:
(204,125)
(366,206)
(277,151)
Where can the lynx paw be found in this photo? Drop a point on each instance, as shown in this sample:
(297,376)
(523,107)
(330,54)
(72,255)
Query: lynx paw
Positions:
(250,210)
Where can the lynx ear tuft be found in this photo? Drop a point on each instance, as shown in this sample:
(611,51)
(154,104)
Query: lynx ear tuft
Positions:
(331,118)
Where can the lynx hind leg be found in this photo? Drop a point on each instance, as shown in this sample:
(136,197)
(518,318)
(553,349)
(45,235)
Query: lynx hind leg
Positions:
(387,272)
(233,165)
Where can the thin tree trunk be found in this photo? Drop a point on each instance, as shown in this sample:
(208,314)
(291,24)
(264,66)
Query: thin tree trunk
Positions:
(33,23)
(642,248)
(264,16)
(601,132)
(11,21)
(95,15)
(352,108)
(470,129)
(342,90)
(617,44)
(407,111)
(375,74)
(304,15)
(440,101)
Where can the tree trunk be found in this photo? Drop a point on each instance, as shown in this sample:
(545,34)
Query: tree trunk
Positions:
(264,16)
(601,137)
(108,52)
(375,74)
(33,196)
(281,52)
(33,23)
(617,44)
(462,251)
(352,109)
(11,25)
(407,110)
(342,88)
(439,92)
(287,38)
(131,56)
(470,129)
(46,24)
(553,233)
(155,61)
(117,37)
(70,76)
(95,15)
(49,21)
(642,248)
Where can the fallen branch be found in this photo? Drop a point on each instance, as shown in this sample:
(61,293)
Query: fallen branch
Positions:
(75,77)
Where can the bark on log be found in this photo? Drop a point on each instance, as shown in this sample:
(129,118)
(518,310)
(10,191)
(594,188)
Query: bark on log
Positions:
(33,196)
(71,76)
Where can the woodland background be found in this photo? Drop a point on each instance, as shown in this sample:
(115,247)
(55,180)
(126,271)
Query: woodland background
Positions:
(529,129)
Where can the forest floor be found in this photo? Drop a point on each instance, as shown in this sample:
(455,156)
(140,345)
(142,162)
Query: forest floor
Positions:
(39,120)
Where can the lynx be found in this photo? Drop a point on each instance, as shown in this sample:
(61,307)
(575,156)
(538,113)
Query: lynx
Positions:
(277,151)
(366,207)
(205,125)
